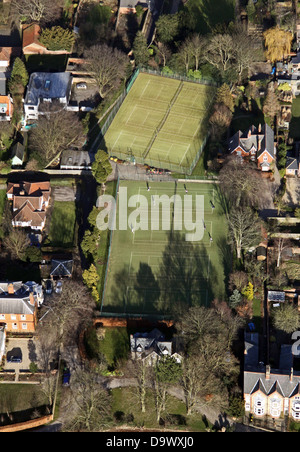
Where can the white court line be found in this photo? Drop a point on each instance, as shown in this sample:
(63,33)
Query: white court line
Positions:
(116,140)
(185,153)
(132,110)
(146,86)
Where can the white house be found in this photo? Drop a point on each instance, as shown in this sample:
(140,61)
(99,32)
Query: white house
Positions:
(46,88)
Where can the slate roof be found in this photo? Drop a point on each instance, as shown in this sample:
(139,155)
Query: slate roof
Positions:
(17,302)
(246,141)
(15,305)
(76,159)
(61,267)
(18,151)
(251,350)
(254,381)
(147,342)
(291,163)
(47,85)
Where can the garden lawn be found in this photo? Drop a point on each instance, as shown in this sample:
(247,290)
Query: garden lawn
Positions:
(126,410)
(2,205)
(16,399)
(294,129)
(205,15)
(62,224)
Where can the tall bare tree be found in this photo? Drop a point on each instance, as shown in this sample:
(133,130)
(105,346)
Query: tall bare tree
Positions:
(40,11)
(89,405)
(207,334)
(56,131)
(16,243)
(239,184)
(108,67)
(220,51)
(244,229)
(69,312)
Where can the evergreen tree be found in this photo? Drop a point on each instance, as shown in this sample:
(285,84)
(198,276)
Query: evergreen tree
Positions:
(57,38)
(140,49)
(18,78)
(101,167)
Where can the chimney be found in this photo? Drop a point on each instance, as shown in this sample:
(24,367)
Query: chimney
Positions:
(31,299)
(249,133)
(10,288)
(268,371)
(259,128)
(258,144)
(291,374)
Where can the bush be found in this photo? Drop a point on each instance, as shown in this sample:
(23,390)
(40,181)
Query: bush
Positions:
(57,38)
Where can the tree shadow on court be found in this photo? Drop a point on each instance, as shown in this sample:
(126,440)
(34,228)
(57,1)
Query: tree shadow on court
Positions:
(186,276)
(118,292)
(226,257)
(146,286)
(137,293)
(221,199)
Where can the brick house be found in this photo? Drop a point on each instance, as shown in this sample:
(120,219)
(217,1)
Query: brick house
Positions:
(273,393)
(29,203)
(19,303)
(255,144)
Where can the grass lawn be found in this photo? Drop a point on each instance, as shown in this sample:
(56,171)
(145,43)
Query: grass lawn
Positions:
(46,63)
(206,14)
(162,122)
(294,129)
(62,224)
(149,266)
(126,407)
(18,399)
(2,205)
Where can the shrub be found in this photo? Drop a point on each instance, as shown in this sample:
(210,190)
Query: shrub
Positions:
(57,38)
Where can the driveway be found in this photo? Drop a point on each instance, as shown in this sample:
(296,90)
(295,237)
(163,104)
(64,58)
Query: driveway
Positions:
(292,194)
(23,348)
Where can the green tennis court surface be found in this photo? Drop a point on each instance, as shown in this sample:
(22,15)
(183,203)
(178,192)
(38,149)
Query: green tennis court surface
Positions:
(162,122)
(153,271)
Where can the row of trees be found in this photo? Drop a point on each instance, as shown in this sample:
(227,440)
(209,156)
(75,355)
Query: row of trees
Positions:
(229,52)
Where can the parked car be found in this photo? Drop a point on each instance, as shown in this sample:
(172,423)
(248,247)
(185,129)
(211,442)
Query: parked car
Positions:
(14,359)
(58,287)
(49,286)
(66,377)
(81,85)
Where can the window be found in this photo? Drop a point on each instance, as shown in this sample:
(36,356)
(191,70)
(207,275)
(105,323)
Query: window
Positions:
(23,317)
(265,158)
(24,326)
(259,406)
(2,316)
(13,317)
(15,326)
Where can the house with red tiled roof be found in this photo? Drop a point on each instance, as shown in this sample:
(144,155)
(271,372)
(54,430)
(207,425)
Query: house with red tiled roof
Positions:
(30,201)
(255,144)
(31,44)
(7,54)
(30,40)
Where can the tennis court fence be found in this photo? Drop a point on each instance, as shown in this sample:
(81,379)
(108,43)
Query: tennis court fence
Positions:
(127,155)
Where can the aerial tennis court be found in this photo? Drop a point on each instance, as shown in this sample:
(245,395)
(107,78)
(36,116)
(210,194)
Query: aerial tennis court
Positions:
(162,122)
(152,267)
